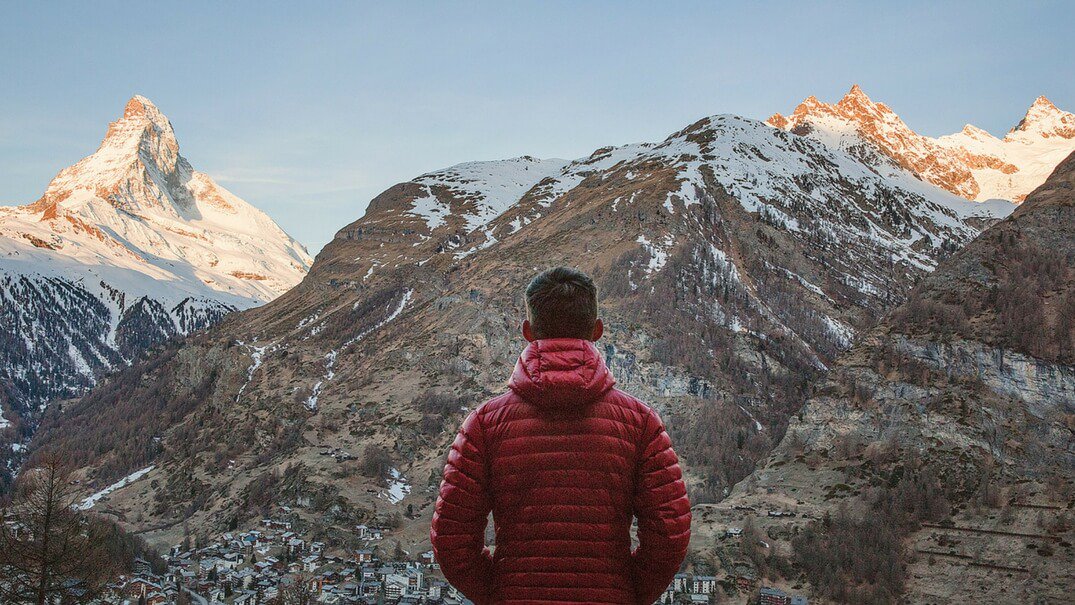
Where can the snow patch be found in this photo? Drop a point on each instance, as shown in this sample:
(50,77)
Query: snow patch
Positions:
(658,252)
(398,487)
(330,358)
(90,501)
(430,209)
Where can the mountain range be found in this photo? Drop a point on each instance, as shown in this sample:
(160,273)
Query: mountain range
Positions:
(741,264)
(970,163)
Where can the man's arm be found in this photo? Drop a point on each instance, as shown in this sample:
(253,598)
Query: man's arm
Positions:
(461,514)
(664,515)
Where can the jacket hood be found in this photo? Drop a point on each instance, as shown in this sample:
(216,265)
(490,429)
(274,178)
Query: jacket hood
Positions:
(561,372)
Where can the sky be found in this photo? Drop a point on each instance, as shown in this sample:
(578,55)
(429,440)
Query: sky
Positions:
(309,110)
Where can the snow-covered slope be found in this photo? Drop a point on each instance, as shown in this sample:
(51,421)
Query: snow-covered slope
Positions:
(128,247)
(972,163)
(787,179)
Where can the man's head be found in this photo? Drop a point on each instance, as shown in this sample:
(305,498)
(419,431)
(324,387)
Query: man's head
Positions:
(562,303)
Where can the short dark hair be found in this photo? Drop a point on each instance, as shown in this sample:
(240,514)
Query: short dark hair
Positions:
(562,303)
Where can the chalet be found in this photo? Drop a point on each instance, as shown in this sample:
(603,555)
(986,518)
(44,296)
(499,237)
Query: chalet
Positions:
(680,583)
(141,567)
(363,556)
(245,578)
(275,524)
(395,585)
(773,596)
(139,587)
(704,584)
(745,582)
(435,589)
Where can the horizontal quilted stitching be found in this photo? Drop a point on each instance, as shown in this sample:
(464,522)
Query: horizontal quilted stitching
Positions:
(564,461)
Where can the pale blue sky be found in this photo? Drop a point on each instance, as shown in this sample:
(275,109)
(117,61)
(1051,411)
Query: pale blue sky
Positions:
(308,111)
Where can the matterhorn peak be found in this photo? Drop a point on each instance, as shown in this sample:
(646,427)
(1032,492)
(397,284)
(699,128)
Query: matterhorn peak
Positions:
(141,119)
(139,106)
(137,167)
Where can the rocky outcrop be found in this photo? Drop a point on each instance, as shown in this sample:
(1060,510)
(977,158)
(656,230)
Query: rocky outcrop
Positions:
(1046,388)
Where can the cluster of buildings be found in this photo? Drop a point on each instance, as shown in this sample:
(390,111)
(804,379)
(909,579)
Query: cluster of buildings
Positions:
(693,589)
(775,596)
(686,588)
(275,565)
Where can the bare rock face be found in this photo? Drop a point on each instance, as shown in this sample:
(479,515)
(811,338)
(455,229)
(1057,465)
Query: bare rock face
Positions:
(972,163)
(959,409)
(126,249)
(736,262)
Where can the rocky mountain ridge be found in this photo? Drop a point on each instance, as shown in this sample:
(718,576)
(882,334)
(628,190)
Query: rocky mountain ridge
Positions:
(972,163)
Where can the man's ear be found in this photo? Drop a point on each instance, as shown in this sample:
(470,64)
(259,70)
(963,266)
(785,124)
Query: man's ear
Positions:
(528,332)
(598,330)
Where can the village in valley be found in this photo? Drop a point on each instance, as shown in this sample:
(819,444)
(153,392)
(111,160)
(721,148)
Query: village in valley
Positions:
(276,565)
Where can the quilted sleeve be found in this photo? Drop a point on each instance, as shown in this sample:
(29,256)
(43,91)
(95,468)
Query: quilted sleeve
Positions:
(664,515)
(461,514)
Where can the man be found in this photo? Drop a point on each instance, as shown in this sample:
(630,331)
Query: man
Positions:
(563,460)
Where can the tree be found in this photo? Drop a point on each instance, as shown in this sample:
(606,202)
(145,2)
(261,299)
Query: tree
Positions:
(49,549)
(376,462)
(299,591)
(181,596)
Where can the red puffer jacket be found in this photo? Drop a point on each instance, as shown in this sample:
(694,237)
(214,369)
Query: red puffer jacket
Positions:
(563,460)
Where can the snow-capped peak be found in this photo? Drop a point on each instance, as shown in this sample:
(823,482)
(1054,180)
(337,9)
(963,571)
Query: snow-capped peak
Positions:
(1046,120)
(137,207)
(137,161)
(144,128)
(127,248)
(971,163)
(856,98)
(972,131)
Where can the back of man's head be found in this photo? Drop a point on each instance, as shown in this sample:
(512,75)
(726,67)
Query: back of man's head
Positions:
(562,303)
